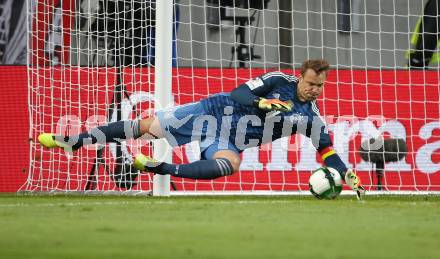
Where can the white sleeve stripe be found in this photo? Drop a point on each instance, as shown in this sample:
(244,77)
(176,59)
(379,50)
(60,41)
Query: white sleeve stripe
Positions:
(268,75)
(274,73)
(315,108)
(289,78)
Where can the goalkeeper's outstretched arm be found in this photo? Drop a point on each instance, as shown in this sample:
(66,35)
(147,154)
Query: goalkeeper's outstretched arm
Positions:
(253,92)
(324,147)
(332,159)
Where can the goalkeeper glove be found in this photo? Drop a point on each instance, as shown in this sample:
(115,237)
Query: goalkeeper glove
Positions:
(273,105)
(354,182)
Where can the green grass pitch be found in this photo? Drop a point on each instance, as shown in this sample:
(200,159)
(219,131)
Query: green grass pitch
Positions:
(218,227)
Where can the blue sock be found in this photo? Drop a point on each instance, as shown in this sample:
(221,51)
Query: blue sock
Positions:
(202,169)
(112,132)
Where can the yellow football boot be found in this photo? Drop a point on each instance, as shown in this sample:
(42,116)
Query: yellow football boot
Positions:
(47,140)
(146,163)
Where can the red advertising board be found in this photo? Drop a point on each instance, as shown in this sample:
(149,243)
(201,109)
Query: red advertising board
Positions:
(357,104)
(14,132)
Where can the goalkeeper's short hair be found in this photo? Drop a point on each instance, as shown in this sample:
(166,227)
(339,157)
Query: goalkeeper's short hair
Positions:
(317,65)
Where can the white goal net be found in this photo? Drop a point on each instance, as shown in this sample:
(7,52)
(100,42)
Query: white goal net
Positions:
(96,61)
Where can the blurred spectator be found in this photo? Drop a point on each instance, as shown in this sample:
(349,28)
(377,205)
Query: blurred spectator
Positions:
(151,34)
(426,37)
(109,20)
(13,42)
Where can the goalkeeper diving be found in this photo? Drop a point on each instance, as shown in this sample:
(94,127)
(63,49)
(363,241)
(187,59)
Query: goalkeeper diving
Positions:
(266,108)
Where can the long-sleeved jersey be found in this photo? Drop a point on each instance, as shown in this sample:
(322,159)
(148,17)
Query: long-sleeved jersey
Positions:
(251,126)
(267,126)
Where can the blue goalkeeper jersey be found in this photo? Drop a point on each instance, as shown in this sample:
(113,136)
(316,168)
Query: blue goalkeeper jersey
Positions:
(262,126)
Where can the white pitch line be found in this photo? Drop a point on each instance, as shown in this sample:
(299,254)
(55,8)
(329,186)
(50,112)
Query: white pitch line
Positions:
(75,204)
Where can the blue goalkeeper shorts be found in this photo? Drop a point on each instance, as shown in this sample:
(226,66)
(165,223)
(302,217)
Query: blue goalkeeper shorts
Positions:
(189,122)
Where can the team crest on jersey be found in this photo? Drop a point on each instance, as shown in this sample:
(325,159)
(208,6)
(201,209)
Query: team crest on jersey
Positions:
(255,83)
(296,117)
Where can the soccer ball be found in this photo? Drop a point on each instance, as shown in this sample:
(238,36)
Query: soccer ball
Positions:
(325,183)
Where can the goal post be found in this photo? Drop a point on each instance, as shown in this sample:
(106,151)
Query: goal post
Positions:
(97,61)
(163,90)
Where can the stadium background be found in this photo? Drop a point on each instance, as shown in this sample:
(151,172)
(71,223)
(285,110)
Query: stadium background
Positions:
(417,96)
(369,79)
(371,63)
